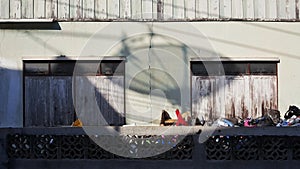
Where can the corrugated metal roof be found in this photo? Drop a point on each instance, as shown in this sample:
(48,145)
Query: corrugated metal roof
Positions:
(151,10)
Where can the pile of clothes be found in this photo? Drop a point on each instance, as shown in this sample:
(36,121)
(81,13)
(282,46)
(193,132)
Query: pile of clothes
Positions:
(291,117)
(271,118)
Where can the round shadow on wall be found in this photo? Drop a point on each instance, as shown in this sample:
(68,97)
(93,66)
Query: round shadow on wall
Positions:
(156,89)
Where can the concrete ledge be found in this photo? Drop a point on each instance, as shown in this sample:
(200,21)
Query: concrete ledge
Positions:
(155,130)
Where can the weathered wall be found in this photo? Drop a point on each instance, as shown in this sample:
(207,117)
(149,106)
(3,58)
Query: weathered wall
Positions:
(233,96)
(69,10)
(229,39)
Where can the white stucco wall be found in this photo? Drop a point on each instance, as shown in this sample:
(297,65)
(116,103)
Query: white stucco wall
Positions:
(229,39)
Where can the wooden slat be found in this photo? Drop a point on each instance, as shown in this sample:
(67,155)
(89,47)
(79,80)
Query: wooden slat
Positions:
(136,8)
(36,101)
(39,9)
(155,7)
(201,97)
(4,106)
(4,6)
(229,97)
(103,98)
(113,9)
(167,9)
(248,9)
(291,9)
(27,9)
(125,9)
(178,9)
(51,8)
(63,9)
(88,9)
(259,9)
(100,9)
(190,9)
(281,9)
(76,9)
(225,9)
(195,96)
(271,9)
(147,9)
(86,105)
(297,9)
(15,9)
(245,103)
(214,9)
(237,9)
(61,111)
(219,96)
(238,96)
(201,9)
(256,99)
(116,99)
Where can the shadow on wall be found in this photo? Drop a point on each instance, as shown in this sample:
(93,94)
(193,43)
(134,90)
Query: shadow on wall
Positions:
(10,97)
(126,50)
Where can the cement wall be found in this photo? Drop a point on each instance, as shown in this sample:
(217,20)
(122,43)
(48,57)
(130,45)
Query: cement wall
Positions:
(138,41)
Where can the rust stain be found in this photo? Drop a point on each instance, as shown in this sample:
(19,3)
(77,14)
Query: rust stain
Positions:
(263,108)
(211,116)
(232,109)
(244,110)
(255,111)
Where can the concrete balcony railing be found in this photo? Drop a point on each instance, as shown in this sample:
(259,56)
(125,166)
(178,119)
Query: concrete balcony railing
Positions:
(149,147)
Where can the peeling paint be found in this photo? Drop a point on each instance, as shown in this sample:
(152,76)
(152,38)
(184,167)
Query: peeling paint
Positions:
(261,97)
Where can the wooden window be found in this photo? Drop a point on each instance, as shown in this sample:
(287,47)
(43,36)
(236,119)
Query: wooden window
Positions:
(48,95)
(248,89)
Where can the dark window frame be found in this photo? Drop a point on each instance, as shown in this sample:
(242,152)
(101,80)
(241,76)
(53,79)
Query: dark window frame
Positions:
(117,68)
(198,68)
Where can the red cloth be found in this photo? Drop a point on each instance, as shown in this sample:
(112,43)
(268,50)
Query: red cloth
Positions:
(180,120)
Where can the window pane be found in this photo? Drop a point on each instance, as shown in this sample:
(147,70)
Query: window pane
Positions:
(62,68)
(87,67)
(198,69)
(112,68)
(263,68)
(36,68)
(207,68)
(235,68)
